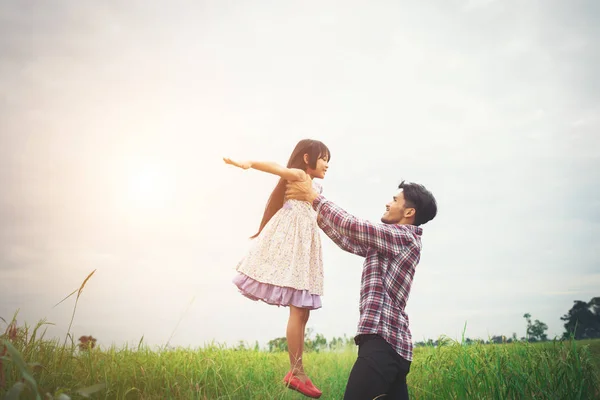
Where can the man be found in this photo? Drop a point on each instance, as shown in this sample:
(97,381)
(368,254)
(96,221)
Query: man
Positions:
(391,250)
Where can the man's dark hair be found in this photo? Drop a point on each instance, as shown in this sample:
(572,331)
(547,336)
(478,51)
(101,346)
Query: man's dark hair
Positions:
(421,199)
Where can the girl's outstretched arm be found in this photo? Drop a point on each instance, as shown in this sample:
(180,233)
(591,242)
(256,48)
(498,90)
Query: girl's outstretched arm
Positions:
(290,174)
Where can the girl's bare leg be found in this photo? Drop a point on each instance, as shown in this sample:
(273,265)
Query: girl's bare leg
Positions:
(295,339)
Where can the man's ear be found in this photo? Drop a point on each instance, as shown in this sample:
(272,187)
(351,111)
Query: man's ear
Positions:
(409,212)
(306,158)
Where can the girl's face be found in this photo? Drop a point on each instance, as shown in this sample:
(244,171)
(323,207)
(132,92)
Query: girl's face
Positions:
(320,168)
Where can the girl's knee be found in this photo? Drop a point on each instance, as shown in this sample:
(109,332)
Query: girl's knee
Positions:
(301,313)
(296,312)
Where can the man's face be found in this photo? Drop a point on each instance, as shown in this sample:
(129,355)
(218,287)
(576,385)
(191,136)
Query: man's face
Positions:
(396,210)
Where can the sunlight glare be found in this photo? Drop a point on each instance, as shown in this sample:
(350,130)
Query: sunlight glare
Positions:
(149,187)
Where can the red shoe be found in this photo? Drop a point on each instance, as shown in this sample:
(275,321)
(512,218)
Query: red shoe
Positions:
(313,387)
(306,388)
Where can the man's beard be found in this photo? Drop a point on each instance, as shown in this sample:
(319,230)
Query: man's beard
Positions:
(387,220)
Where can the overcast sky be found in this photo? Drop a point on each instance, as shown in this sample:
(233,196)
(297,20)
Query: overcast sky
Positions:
(115,116)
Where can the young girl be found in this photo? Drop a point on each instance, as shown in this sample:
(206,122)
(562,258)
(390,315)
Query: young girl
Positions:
(284,267)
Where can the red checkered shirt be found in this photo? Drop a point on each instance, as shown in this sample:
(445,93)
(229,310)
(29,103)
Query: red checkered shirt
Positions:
(391,254)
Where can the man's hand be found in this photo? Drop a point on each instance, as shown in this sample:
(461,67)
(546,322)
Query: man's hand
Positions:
(301,190)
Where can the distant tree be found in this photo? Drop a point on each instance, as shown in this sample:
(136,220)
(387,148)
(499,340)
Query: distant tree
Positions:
(86,343)
(317,344)
(278,344)
(444,340)
(340,342)
(428,342)
(241,346)
(535,331)
(334,343)
(349,340)
(498,339)
(583,320)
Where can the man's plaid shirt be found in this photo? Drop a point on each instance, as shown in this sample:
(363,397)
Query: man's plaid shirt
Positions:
(391,254)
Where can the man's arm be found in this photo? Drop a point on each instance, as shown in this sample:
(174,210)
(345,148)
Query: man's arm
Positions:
(343,242)
(387,239)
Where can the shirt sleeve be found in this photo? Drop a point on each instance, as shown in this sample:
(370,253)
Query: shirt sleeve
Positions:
(343,242)
(385,238)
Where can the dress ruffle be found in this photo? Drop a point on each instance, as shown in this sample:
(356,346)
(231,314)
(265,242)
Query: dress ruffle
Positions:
(276,295)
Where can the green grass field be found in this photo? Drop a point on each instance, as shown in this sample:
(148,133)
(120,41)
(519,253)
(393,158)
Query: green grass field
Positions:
(32,367)
(550,370)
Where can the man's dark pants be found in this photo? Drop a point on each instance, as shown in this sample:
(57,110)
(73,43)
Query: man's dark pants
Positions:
(378,371)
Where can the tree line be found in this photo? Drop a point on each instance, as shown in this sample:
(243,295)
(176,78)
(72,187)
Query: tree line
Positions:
(581,322)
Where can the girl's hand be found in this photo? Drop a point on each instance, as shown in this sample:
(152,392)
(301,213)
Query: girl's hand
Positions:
(239,164)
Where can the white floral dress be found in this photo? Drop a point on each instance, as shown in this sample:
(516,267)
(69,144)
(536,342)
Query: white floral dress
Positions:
(285,265)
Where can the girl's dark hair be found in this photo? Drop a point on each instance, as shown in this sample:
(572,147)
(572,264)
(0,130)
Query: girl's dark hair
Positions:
(315,150)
